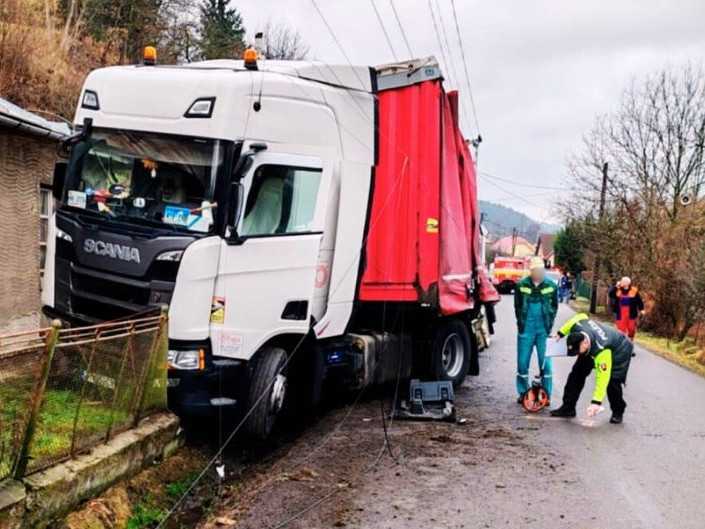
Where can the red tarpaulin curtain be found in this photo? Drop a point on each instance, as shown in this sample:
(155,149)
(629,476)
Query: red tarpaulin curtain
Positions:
(460,226)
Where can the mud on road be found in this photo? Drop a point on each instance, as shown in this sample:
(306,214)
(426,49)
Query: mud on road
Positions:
(502,468)
(338,473)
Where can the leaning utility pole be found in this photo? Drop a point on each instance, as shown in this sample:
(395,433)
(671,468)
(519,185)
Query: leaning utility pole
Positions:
(596,263)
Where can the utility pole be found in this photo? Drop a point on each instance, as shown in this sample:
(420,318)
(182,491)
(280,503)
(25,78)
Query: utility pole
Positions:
(596,263)
(515,233)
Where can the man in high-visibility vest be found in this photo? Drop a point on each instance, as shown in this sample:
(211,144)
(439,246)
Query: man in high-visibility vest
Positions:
(535,306)
(603,349)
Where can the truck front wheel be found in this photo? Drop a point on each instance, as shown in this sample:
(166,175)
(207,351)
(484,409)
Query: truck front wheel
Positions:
(268,392)
(451,352)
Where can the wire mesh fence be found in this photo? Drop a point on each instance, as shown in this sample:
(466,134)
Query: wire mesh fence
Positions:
(62,391)
(22,359)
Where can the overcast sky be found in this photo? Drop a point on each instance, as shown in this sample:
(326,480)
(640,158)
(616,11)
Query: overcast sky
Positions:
(541,70)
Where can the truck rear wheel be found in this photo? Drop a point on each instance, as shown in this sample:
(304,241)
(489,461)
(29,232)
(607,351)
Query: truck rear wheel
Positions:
(451,350)
(269,378)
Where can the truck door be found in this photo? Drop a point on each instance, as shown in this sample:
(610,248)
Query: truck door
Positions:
(267,277)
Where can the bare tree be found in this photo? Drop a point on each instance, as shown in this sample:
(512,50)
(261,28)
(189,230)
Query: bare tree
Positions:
(655,146)
(282,42)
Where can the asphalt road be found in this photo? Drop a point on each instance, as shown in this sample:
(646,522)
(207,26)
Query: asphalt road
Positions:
(650,471)
(501,468)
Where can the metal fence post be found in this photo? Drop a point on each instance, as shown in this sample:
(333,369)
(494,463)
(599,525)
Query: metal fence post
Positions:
(37,398)
(153,358)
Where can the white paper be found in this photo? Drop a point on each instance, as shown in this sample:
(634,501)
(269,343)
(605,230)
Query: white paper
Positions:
(554,348)
(77,199)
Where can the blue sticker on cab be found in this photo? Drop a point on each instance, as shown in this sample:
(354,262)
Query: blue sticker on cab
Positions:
(176,215)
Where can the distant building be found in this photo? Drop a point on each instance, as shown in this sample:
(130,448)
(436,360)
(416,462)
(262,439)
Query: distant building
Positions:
(513,247)
(544,248)
(28,147)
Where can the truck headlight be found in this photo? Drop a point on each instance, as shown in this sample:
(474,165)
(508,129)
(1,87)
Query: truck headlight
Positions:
(191,359)
(61,234)
(172,255)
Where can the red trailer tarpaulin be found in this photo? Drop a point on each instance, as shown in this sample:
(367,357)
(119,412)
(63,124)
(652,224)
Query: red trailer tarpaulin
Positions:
(423,238)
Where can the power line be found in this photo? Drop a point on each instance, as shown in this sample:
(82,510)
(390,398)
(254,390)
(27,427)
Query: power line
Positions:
(337,43)
(511,193)
(450,61)
(465,66)
(520,184)
(445,39)
(401,27)
(384,30)
(438,39)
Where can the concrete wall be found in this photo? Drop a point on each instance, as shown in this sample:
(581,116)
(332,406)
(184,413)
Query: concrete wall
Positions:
(25,162)
(40,499)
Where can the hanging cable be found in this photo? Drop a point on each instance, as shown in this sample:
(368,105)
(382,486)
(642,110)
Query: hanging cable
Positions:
(216,459)
(465,66)
(401,27)
(337,43)
(384,30)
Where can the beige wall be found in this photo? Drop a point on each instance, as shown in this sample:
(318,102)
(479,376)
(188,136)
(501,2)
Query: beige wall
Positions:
(25,162)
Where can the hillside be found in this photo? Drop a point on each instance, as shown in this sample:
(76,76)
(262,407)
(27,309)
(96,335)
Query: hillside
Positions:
(501,220)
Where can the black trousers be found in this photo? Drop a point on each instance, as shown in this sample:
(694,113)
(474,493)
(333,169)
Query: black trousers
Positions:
(582,368)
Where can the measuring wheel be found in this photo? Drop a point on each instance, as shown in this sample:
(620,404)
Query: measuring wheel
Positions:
(535,399)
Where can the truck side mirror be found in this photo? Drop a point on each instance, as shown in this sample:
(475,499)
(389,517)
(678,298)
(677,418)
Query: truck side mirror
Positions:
(59,180)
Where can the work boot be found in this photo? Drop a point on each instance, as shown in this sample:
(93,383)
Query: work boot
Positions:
(563,412)
(616,419)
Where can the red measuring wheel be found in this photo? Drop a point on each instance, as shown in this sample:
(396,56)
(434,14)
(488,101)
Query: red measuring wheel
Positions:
(535,399)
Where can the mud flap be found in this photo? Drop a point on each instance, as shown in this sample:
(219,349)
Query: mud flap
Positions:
(474,365)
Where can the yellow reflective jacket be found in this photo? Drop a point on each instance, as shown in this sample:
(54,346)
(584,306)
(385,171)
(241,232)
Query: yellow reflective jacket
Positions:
(609,348)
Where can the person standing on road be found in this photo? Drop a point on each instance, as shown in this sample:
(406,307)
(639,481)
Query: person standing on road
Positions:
(565,287)
(627,306)
(603,349)
(535,306)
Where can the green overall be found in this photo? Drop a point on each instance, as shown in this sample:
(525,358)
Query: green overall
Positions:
(535,310)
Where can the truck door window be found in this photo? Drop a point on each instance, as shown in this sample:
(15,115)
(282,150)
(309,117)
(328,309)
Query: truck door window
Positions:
(282,200)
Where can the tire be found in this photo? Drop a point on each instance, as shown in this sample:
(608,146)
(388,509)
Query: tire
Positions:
(269,376)
(451,350)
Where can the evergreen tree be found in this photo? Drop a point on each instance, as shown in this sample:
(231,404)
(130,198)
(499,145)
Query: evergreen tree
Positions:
(569,249)
(221,30)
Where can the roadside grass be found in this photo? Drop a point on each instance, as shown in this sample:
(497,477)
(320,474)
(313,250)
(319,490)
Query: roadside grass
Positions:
(54,429)
(683,353)
(149,511)
(144,515)
(178,488)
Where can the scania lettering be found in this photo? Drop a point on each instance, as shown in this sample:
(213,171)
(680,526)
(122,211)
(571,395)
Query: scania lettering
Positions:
(311,227)
(114,251)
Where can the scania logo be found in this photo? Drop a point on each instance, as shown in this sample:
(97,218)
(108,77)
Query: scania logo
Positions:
(109,249)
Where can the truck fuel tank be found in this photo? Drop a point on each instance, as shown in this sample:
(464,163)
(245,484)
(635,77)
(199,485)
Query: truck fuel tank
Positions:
(384,357)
